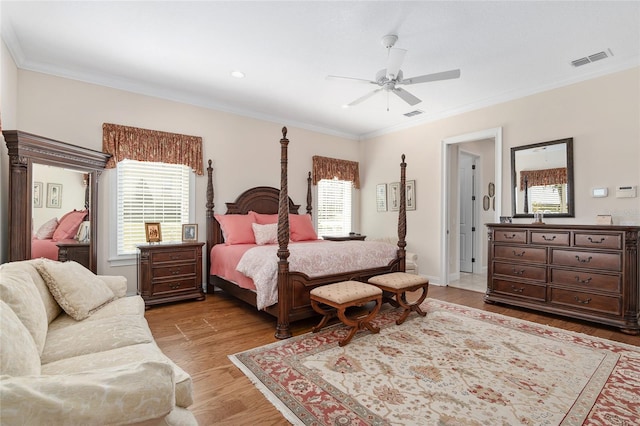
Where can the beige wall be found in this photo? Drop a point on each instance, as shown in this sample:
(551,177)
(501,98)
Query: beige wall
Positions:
(245,151)
(602,115)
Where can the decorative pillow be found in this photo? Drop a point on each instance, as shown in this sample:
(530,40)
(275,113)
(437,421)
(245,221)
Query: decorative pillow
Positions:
(69,224)
(236,228)
(76,289)
(265,234)
(20,293)
(301,228)
(47,229)
(18,353)
(265,219)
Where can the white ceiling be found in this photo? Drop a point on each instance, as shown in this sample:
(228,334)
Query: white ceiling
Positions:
(185,51)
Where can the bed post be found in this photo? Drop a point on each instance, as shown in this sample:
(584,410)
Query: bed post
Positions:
(210,225)
(282,328)
(309,208)
(402,216)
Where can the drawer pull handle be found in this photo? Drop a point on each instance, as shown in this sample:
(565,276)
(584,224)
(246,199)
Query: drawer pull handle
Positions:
(587,281)
(176,272)
(584,302)
(517,290)
(518,254)
(587,260)
(544,237)
(520,272)
(509,237)
(175,257)
(174,286)
(596,242)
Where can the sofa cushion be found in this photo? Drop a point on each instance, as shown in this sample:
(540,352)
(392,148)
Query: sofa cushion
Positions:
(19,292)
(66,340)
(18,353)
(29,266)
(122,356)
(76,289)
(133,305)
(124,394)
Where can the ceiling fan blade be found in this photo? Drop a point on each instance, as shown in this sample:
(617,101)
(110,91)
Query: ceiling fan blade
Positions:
(394,62)
(364,98)
(406,96)
(444,75)
(337,77)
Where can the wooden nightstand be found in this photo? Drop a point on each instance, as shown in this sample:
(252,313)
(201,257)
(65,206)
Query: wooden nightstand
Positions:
(169,272)
(74,250)
(350,237)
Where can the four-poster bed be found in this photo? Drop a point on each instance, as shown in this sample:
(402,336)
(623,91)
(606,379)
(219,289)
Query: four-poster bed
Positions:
(293,287)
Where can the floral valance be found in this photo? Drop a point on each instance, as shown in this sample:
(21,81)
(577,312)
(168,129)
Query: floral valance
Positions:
(543,177)
(333,168)
(133,143)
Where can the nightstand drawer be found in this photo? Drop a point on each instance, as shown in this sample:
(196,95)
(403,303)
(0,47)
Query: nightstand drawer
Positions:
(173,286)
(174,270)
(174,256)
(521,253)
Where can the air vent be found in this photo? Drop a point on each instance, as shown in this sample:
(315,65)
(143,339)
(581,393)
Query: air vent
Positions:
(413,113)
(591,58)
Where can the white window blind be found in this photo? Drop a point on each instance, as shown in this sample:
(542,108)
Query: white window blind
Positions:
(334,207)
(548,198)
(150,192)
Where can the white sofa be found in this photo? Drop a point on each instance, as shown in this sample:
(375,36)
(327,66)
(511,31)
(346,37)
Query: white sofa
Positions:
(74,350)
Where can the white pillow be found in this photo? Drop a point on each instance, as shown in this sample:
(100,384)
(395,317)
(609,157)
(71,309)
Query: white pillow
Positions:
(265,234)
(45,232)
(76,289)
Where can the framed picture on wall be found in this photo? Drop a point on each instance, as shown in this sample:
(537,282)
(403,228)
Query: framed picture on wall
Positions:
(394,196)
(410,198)
(54,195)
(381,197)
(152,232)
(37,194)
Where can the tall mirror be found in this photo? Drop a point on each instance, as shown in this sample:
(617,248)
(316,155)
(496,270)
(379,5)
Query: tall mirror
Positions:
(52,182)
(542,179)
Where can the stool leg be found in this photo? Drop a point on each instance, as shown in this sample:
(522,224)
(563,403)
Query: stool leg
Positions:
(328,314)
(401,297)
(359,323)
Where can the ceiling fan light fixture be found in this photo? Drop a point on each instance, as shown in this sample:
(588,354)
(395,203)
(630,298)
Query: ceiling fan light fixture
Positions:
(237,74)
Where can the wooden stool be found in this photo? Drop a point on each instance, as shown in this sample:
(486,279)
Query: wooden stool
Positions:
(398,283)
(341,296)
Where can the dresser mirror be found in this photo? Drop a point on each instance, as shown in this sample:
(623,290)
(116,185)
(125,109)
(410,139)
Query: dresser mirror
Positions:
(49,179)
(542,179)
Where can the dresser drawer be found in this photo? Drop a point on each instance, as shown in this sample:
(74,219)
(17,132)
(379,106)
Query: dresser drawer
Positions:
(173,256)
(520,271)
(521,253)
(174,270)
(550,238)
(512,288)
(587,259)
(586,301)
(587,280)
(168,286)
(593,240)
(510,236)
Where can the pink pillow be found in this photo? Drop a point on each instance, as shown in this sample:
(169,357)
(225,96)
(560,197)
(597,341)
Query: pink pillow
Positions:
(301,228)
(69,224)
(236,228)
(265,219)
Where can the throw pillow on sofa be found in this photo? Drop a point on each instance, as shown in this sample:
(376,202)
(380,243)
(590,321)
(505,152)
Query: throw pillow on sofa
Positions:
(76,289)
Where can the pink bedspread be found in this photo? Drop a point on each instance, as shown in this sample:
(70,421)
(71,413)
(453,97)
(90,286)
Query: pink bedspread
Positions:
(314,258)
(44,248)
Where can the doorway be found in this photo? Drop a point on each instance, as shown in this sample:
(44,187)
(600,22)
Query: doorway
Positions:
(449,240)
(467,190)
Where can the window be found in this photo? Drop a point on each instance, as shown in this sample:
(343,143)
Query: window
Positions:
(151,192)
(548,198)
(334,207)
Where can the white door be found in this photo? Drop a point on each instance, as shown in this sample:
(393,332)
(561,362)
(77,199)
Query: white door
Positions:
(466,177)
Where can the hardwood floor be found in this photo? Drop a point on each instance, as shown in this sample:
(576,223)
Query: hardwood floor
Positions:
(199,336)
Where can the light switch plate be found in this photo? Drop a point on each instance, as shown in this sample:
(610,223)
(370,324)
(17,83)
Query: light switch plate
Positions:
(599,192)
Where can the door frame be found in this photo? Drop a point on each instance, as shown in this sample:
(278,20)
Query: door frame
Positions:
(445,222)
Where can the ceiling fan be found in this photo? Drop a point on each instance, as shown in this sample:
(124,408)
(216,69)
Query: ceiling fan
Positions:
(391,77)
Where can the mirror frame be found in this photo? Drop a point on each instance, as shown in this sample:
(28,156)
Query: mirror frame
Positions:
(25,149)
(570,183)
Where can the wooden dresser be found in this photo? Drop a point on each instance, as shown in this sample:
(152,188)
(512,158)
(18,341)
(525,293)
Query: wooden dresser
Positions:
(169,272)
(585,272)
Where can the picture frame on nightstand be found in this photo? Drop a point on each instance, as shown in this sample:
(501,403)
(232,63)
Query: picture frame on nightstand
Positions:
(190,232)
(152,232)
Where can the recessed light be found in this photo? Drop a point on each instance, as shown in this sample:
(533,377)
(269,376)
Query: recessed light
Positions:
(345,106)
(237,74)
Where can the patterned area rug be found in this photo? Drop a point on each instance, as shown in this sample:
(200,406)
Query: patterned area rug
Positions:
(457,366)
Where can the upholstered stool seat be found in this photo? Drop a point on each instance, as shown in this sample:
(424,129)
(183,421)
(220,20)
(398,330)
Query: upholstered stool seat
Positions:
(398,284)
(341,296)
